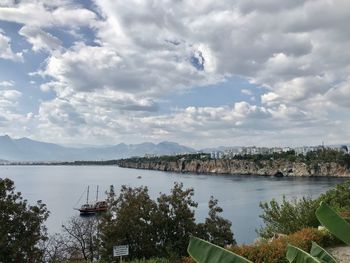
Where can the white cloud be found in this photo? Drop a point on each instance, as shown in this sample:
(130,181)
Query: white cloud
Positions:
(7,83)
(340,94)
(246,92)
(40,39)
(47,13)
(6,51)
(144,50)
(10,94)
(9,100)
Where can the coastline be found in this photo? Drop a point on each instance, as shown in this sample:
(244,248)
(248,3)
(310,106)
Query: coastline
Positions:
(241,167)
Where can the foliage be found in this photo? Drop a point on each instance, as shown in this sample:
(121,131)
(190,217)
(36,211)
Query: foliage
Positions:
(338,197)
(175,220)
(21,226)
(80,235)
(274,251)
(203,251)
(271,252)
(78,241)
(294,245)
(151,260)
(327,155)
(333,222)
(319,252)
(313,157)
(187,260)
(169,158)
(297,255)
(288,216)
(159,228)
(216,229)
(286,156)
(131,221)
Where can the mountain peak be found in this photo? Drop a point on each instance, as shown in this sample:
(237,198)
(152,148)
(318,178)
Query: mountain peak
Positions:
(25,149)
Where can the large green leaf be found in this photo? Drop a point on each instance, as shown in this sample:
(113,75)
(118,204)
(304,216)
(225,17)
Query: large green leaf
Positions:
(333,222)
(204,252)
(296,255)
(320,253)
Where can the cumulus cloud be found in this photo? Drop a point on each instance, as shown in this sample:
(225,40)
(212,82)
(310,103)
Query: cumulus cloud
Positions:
(47,13)
(9,96)
(141,51)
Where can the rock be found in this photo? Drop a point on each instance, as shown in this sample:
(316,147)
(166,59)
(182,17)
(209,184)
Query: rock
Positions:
(244,167)
(278,174)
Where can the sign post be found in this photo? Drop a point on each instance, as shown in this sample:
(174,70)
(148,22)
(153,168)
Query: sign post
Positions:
(120,251)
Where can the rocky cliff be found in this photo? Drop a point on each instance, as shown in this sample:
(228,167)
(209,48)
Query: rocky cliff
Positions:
(264,168)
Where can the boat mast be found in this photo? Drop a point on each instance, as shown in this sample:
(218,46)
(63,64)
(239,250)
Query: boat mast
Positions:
(97,194)
(87,195)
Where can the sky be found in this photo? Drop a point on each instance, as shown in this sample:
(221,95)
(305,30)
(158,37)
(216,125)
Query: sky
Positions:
(200,73)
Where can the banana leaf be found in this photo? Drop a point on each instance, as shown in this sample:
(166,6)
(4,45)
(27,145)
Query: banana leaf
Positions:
(204,252)
(320,253)
(333,222)
(296,255)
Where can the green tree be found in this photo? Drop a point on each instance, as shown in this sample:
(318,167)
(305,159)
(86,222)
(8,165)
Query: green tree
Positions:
(175,220)
(158,228)
(21,226)
(288,216)
(216,229)
(130,221)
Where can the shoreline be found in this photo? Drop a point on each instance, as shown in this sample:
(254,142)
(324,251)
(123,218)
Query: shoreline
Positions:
(242,175)
(275,168)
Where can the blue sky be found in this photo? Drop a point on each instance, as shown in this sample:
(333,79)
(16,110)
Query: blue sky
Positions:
(101,72)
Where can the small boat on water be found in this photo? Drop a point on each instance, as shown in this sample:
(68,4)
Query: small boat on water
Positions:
(91,208)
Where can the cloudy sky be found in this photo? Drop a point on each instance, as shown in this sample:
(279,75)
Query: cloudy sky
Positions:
(201,73)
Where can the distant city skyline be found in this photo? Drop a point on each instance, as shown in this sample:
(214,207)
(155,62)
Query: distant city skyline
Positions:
(100,72)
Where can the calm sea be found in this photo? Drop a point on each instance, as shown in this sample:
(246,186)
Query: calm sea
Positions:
(60,187)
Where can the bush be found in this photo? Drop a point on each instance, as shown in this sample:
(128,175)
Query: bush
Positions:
(287,217)
(187,260)
(338,197)
(274,251)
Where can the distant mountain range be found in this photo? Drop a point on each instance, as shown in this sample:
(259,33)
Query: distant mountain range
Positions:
(25,149)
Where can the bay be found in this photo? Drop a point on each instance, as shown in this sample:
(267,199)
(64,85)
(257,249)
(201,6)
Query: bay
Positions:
(60,187)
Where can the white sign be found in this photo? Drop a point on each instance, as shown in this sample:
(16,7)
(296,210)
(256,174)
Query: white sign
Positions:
(119,251)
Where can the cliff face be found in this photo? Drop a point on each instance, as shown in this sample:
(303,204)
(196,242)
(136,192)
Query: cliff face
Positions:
(265,168)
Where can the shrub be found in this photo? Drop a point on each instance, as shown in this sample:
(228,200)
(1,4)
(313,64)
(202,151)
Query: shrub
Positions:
(187,260)
(288,216)
(274,251)
(338,197)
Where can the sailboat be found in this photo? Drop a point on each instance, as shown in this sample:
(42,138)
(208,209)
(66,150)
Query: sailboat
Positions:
(91,208)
